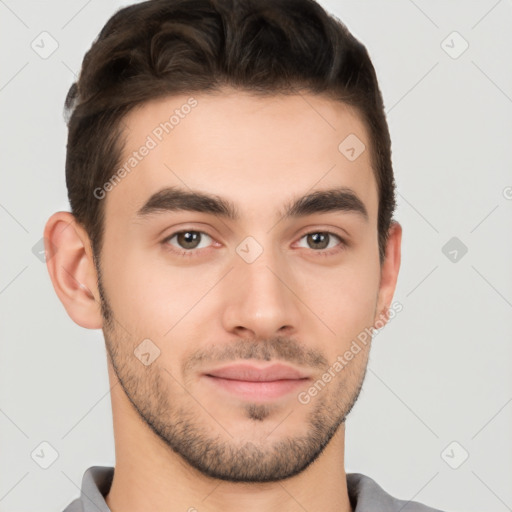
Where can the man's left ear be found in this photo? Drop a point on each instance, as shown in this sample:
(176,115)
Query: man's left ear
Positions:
(389,273)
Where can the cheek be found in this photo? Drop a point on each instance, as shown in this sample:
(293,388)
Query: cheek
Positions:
(344,298)
(136,292)
(151,298)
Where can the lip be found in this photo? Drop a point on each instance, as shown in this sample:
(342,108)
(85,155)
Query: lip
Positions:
(257,383)
(251,373)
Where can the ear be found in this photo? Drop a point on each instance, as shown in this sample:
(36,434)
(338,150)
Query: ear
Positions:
(389,274)
(71,267)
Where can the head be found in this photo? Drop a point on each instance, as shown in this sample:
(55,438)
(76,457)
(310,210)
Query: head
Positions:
(231,189)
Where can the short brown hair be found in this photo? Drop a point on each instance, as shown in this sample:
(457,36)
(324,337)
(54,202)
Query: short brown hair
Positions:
(160,48)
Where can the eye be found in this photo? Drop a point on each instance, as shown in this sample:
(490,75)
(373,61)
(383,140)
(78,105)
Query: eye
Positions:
(321,240)
(187,240)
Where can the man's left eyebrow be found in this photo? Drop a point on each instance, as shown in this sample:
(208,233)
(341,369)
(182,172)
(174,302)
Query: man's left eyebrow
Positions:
(340,199)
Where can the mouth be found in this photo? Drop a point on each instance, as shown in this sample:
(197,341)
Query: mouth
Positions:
(257,383)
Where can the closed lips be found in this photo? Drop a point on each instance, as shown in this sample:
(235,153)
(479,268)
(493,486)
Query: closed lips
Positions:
(250,373)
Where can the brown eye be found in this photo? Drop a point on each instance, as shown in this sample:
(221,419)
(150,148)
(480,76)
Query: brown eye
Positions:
(322,240)
(318,240)
(188,239)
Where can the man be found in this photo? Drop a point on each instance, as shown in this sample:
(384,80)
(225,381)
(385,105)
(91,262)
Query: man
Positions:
(231,189)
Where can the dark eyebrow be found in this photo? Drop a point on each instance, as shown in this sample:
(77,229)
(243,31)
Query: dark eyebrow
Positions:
(324,201)
(320,201)
(177,199)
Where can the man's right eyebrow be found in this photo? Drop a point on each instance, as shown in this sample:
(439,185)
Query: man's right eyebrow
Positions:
(176,199)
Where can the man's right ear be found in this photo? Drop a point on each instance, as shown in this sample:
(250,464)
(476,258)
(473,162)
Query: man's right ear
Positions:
(71,267)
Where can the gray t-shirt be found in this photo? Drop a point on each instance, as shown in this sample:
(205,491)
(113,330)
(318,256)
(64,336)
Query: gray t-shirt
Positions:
(364,493)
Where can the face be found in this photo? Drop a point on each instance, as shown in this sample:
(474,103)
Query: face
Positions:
(222,313)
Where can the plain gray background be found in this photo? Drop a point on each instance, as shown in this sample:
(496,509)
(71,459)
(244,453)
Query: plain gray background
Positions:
(439,384)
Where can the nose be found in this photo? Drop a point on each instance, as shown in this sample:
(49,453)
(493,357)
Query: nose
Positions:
(262,298)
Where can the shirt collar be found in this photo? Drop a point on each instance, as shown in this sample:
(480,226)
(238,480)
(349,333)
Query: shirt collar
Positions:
(364,493)
(96,483)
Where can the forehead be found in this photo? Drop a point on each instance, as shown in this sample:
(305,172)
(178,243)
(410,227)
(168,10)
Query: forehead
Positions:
(260,151)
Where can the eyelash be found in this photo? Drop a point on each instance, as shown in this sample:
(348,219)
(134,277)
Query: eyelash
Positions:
(194,252)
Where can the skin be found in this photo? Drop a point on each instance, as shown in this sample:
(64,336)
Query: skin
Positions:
(292,304)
